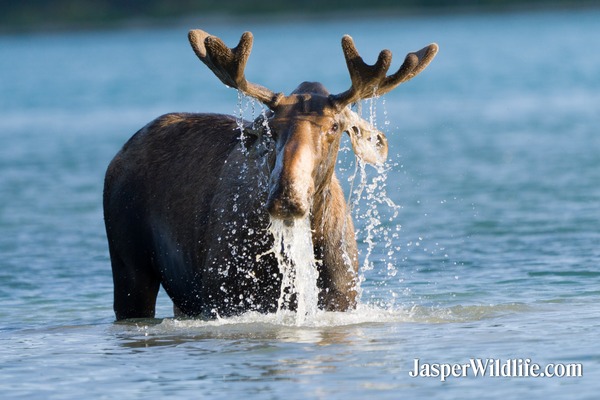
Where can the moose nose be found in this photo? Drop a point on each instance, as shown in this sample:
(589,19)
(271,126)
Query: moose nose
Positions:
(286,208)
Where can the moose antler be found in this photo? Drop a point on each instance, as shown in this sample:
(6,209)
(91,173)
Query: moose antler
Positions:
(229,64)
(371,80)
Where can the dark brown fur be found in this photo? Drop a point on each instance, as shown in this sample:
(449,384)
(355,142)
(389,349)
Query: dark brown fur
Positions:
(186,206)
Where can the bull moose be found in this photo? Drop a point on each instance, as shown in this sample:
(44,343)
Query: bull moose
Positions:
(189,198)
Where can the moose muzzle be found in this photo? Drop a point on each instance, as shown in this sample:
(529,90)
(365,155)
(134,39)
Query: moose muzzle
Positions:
(291,186)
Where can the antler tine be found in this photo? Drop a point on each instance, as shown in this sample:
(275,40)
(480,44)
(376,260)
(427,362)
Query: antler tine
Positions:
(413,65)
(365,78)
(371,80)
(229,64)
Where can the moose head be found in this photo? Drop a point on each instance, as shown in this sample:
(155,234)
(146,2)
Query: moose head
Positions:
(307,124)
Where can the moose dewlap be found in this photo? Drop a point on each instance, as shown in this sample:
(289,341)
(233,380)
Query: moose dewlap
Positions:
(189,198)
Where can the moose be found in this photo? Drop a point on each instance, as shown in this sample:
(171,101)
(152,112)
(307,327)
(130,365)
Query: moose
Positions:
(189,198)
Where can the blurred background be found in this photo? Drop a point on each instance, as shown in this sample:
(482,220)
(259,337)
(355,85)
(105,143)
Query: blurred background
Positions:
(67,14)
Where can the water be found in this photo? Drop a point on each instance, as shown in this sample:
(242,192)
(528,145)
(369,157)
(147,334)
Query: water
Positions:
(493,253)
(293,249)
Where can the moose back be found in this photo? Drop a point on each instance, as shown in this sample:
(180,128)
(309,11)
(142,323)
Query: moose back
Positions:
(189,198)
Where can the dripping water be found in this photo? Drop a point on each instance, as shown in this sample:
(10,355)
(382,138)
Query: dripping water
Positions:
(370,206)
(292,243)
(293,249)
(375,214)
(243,104)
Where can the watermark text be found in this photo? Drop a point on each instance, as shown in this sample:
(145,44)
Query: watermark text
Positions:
(493,367)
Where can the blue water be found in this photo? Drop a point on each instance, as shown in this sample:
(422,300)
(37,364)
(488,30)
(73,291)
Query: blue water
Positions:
(494,252)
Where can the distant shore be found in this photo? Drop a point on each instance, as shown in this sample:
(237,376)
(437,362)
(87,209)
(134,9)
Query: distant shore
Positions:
(68,15)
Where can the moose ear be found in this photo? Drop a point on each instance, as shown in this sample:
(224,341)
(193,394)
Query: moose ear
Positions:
(368,143)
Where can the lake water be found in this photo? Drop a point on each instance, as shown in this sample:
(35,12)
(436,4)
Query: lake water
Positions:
(491,249)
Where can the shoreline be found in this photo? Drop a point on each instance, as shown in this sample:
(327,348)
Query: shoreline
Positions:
(283,16)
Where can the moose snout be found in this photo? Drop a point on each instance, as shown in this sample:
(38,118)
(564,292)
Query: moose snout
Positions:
(291,184)
(286,206)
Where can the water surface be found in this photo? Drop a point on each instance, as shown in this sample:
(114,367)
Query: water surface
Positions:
(492,252)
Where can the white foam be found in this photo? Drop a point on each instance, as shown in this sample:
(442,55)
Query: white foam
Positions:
(285,325)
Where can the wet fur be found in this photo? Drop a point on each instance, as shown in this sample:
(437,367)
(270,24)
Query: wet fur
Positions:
(184,205)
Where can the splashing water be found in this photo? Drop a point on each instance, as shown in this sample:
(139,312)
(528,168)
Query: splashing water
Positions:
(244,103)
(374,213)
(255,323)
(293,248)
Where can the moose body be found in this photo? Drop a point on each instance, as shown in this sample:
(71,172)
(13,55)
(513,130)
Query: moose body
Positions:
(189,198)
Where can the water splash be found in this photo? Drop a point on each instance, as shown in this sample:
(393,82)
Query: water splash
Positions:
(285,327)
(371,208)
(375,213)
(243,104)
(293,248)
